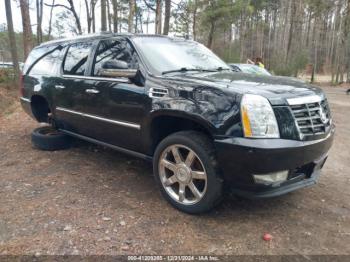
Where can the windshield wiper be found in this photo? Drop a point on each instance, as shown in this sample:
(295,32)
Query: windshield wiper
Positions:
(219,69)
(185,69)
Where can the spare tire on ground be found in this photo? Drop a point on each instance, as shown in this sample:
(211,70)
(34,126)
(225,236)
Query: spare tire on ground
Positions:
(50,139)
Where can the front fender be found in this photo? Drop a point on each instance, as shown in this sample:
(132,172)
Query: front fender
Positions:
(215,109)
(181,114)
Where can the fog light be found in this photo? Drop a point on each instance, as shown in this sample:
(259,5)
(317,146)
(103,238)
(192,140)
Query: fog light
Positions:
(271,178)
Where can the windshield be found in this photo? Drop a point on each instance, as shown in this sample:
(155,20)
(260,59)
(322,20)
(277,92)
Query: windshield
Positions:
(253,69)
(167,54)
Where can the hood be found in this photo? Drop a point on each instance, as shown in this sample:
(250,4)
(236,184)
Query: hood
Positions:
(275,89)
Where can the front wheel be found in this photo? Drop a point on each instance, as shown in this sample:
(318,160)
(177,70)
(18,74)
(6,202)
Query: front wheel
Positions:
(186,171)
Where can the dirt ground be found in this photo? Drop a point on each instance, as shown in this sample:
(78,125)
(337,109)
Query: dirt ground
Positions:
(91,200)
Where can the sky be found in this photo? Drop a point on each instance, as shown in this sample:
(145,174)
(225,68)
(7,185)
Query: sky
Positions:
(79,5)
(16,14)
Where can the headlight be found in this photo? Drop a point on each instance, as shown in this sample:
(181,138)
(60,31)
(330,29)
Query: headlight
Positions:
(258,118)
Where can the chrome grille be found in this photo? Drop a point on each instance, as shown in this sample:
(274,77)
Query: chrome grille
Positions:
(312,118)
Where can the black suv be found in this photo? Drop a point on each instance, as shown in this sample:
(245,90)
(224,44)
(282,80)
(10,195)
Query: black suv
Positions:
(174,102)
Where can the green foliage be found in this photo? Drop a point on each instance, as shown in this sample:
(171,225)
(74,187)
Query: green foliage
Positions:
(5,54)
(182,14)
(217,12)
(283,70)
(230,54)
(300,61)
(319,6)
(6,76)
(295,64)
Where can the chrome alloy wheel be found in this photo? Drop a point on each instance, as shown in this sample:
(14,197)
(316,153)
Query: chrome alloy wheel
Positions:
(182,174)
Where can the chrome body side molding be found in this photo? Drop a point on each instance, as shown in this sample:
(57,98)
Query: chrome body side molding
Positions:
(112,121)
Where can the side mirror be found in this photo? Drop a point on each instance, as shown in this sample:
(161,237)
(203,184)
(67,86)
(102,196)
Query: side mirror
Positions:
(117,68)
(115,64)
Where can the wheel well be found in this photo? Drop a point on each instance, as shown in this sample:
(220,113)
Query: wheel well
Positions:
(40,108)
(163,126)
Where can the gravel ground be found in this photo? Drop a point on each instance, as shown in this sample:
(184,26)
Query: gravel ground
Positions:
(90,200)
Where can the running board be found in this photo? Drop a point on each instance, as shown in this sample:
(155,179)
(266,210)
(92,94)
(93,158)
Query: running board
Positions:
(117,148)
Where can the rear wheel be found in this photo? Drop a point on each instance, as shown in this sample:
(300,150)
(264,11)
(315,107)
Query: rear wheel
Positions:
(186,172)
(50,139)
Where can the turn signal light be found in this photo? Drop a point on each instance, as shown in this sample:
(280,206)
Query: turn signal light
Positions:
(275,178)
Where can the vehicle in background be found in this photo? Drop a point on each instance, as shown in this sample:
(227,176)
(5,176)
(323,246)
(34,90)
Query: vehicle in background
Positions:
(249,69)
(256,70)
(6,65)
(9,65)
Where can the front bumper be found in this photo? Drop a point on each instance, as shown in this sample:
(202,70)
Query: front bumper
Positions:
(240,158)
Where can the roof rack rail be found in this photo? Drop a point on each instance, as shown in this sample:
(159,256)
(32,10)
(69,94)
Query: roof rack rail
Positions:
(100,35)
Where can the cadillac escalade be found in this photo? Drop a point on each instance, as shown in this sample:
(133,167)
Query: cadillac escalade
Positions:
(172,101)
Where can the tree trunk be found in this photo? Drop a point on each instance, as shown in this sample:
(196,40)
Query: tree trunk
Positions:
(141,23)
(136,23)
(167,17)
(39,19)
(115,15)
(93,16)
(158,22)
(103,16)
(76,17)
(88,16)
(147,21)
(27,29)
(291,29)
(347,50)
(343,43)
(131,16)
(11,33)
(194,20)
(211,35)
(308,29)
(50,21)
(109,16)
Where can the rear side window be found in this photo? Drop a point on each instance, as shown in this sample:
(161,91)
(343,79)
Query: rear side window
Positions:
(76,59)
(47,64)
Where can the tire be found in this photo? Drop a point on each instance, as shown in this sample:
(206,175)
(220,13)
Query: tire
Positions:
(177,180)
(49,139)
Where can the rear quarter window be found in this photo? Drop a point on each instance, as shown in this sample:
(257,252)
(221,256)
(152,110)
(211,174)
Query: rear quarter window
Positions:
(47,64)
(34,55)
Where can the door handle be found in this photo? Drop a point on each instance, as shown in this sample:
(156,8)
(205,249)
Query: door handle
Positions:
(59,87)
(92,91)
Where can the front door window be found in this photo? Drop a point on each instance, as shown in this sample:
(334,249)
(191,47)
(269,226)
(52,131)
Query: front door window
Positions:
(114,50)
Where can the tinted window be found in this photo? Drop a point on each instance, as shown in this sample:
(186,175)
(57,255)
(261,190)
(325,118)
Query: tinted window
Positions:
(35,54)
(76,59)
(47,64)
(115,50)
